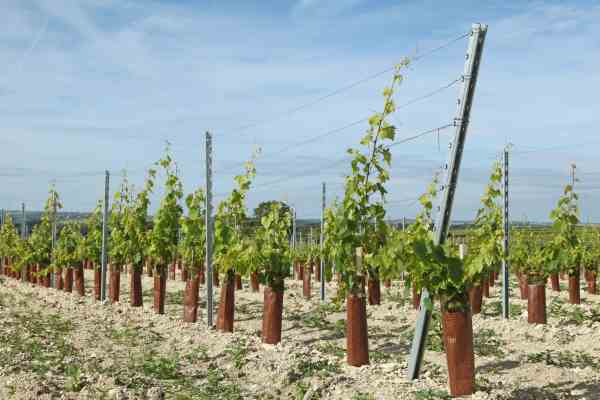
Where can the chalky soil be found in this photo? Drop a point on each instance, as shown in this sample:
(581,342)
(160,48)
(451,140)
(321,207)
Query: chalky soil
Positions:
(57,345)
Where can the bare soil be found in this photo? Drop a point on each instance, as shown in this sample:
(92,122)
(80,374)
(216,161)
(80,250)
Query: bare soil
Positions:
(56,345)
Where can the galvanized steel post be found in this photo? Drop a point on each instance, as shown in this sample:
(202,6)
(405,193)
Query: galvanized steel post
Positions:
(104,255)
(505,262)
(209,232)
(322,242)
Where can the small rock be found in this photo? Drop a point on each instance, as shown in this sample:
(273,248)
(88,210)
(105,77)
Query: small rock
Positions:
(156,393)
(117,394)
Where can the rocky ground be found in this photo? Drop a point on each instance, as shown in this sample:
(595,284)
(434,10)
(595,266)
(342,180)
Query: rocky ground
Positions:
(56,345)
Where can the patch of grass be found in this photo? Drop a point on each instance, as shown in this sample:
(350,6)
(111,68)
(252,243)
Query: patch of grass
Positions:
(331,348)
(197,354)
(174,298)
(42,344)
(564,359)
(74,382)
(238,351)
(316,319)
(431,394)
(218,387)
(330,308)
(126,336)
(557,308)
(378,356)
(160,367)
(339,328)
(434,370)
(494,309)
(306,367)
(300,390)
(311,368)
(363,396)
(487,343)
(573,315)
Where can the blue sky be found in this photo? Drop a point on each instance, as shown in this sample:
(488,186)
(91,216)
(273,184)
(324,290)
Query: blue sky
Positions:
(101,84)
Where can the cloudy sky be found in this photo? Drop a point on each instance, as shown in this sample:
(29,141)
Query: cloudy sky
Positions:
(101,84)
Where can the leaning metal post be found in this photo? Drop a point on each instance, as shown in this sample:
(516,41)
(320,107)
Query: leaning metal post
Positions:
(473,59)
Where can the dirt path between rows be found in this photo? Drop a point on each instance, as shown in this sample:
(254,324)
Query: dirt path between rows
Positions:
(56,345)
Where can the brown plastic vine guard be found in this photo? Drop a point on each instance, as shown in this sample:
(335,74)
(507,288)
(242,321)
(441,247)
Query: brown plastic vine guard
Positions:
(523,286)
(79,280)
(160,289)
(574,295)
(475,299)
(492,279)
(238,282)
(68,280)
(173,271)
(272,316)
(202,276)
(306,289)
(184,274)
(190,300)
(226,310)
(374,292)
(486,287)
(216,278)
(254,283)
(555,282)
(357,341)
(135,287)
(536,304)
(34,271)
(458,342)
(59,279)
(317,269)
(114,287)
(590,278)
(301,272)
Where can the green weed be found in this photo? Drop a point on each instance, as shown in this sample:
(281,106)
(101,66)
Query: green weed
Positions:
(238,351)
(431,394)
